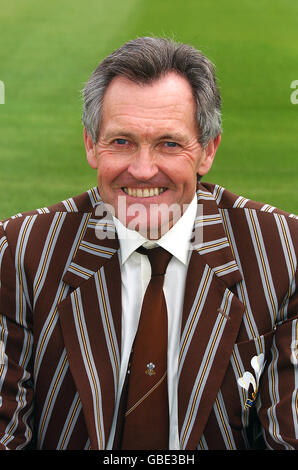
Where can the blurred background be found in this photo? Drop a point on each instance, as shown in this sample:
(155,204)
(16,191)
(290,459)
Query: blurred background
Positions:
(48,50)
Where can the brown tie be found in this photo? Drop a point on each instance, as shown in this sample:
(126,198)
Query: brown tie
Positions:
(146,424)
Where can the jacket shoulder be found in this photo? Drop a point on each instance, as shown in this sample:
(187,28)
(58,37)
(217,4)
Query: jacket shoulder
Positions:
(81,203)
(226,199)
(71,210)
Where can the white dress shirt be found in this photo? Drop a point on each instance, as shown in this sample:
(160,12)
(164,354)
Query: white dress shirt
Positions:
(135,276)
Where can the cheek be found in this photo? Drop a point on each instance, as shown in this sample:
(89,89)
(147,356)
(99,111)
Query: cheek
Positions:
(104,175)
(107,168)
(109,176)
(182,171)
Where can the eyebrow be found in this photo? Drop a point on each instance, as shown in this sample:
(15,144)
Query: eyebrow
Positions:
(121,132)
(173,136)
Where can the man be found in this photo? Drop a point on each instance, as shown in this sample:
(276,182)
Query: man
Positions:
(75,286)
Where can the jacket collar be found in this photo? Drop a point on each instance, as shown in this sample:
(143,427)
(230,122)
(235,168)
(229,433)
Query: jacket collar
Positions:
(98,241)
(211,238)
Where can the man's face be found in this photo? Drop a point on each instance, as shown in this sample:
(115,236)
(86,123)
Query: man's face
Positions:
(148,155)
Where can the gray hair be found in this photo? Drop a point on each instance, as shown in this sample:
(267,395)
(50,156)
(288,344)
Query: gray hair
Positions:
(144,60)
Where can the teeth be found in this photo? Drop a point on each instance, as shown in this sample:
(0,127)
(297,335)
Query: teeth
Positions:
(143,192)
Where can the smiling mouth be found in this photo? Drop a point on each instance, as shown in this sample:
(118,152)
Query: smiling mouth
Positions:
(143,192)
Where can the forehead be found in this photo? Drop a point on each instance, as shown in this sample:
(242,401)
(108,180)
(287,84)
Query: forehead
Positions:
(172,81)
(169,98)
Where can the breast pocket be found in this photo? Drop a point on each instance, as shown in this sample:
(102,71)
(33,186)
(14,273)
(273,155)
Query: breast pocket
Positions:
(243,379)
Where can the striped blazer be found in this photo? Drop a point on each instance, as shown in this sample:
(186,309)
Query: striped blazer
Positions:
(60,327)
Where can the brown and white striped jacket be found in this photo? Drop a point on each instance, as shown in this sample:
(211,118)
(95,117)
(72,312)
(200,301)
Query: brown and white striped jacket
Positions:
(60,328)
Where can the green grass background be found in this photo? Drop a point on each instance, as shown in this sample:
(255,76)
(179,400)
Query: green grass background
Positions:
(49,48)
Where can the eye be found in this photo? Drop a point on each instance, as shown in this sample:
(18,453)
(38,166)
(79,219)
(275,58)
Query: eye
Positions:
(121,141)
(171,144)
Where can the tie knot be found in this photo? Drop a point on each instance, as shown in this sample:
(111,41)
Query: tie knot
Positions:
(159,259)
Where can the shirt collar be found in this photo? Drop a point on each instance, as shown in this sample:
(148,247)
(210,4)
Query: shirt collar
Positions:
(175,241)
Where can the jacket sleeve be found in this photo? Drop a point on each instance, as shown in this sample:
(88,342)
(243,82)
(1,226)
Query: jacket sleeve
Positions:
(278,409)
(16,339)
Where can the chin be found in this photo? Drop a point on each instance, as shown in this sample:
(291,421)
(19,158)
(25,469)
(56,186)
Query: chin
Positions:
(152,230)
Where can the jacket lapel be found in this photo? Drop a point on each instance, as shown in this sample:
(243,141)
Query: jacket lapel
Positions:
(211,319)
(90,319)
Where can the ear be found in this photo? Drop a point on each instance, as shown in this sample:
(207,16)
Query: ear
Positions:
(90,150)
(208,155)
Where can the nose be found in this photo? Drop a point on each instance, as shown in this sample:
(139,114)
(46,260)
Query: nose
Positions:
(143,166)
